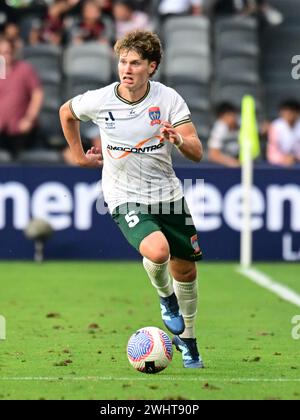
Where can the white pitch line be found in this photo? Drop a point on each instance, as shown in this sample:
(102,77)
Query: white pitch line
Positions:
(147,378)
(278,289)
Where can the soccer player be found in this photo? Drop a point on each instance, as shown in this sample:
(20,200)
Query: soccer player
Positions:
(140,123)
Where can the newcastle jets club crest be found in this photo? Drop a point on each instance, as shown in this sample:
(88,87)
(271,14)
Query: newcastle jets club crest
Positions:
(154,114)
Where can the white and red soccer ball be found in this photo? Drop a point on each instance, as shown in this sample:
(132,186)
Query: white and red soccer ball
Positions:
(149,350)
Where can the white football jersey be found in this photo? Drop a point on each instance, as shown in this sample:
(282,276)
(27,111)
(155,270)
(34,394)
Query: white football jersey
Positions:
(137,162)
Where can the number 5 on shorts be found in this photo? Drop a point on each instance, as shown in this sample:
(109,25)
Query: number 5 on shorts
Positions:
(132,219)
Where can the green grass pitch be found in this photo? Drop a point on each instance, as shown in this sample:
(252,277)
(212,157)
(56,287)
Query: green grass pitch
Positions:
(68,325)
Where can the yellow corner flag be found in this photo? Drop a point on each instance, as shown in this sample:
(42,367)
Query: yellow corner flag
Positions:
(249,138)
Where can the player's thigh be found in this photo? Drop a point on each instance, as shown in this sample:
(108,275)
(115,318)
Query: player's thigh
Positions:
(142,231)
(183,270)
(181,234)
(155,247)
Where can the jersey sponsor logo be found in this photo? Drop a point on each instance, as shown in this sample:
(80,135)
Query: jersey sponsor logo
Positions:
(110,121)
(154,114)
(110,117)
(140,148)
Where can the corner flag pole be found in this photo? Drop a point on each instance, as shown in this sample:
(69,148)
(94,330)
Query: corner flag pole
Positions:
(249,150)
(246,233)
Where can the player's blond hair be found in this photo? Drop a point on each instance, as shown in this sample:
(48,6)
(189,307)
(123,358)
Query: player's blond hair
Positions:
(145,43)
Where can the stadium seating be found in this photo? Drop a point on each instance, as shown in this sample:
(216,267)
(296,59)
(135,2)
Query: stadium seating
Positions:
(203,123)
(81,76)
(187,46)
(236,23)
(46,59)
(40,156)
(276,61)
(198,98)
(196,68)
(109,32)
(90,60)
(50,130)
(78,85)
(187,66)
(237,70)
(236,37)
(192,28)
(236,60)
(52,92)
(235,43)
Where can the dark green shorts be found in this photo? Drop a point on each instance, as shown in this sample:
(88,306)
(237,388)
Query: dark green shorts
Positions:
(174,220)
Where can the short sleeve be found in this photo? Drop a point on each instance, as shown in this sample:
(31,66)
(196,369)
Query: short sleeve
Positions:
(218,135)
(86,107)
(180,113)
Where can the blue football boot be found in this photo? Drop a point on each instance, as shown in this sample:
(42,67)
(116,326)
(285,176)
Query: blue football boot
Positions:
(190,355)
(171,315)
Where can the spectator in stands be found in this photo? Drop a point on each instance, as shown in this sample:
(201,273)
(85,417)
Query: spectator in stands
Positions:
(50,30)
(91,27)
(21,98)
(128,19)
(107,6)
(169,8)
(260,8)
(12,33)
(223,145)
(284,135)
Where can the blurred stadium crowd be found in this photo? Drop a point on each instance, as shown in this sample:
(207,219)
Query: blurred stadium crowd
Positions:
(216,51)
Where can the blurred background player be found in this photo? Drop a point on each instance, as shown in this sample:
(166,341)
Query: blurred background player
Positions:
(284,135)
(223,144)
(140,122)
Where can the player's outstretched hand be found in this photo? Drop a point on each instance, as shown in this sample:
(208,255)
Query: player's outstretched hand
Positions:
(169,133)
(94,158)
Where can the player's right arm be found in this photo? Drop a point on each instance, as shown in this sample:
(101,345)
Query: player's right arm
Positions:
(71,129)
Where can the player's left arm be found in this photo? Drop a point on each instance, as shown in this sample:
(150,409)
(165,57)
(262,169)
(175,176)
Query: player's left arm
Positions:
(185,137)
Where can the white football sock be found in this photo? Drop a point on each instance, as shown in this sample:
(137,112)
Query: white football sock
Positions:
(187,296)
(159,276)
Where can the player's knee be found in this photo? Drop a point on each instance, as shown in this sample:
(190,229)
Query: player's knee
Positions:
(187,275)
(156,249)
(160,258)
(159,255)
